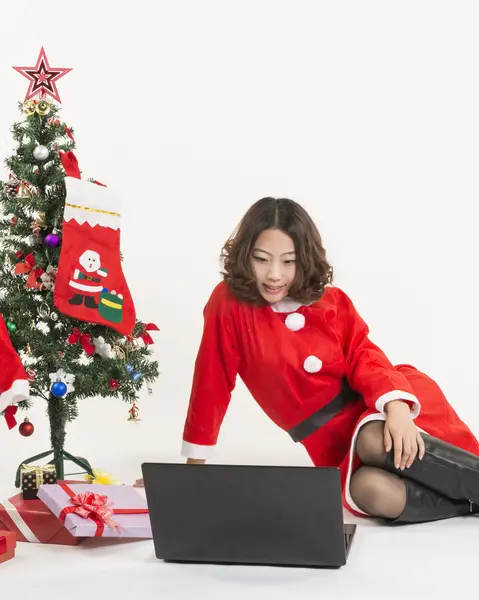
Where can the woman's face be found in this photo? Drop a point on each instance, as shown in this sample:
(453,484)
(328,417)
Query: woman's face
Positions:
(274,264)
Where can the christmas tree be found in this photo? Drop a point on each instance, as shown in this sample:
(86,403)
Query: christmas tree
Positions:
(82,340)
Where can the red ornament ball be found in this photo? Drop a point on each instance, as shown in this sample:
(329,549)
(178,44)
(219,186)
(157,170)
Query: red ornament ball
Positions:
(113,384)
(26,428)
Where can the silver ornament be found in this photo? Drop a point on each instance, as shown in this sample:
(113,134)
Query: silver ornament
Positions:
(44,311)
(41,153)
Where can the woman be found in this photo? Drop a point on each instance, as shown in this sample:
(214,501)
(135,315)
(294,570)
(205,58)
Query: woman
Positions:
(303,351)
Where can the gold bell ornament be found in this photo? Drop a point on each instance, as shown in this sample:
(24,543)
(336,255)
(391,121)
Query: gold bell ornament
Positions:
(23,192)
(43,108)
(29,108)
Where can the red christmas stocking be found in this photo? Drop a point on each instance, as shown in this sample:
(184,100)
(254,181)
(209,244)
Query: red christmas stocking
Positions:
(90,285)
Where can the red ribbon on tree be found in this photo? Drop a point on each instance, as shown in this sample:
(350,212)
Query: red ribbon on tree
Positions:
(83,338)
(29,267)
(145,336)
(9,414)
(95,506)
(70,164)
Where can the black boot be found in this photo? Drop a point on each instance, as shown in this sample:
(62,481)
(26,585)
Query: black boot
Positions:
(90,302)
(423,505)
(76,300)
(445,468)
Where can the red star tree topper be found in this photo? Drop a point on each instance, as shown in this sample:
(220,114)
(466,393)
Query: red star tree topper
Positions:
(42,78)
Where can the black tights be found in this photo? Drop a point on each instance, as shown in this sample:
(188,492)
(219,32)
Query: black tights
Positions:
(374,490)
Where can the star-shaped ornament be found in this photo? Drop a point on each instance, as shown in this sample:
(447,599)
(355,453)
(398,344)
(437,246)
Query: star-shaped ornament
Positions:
(42,78)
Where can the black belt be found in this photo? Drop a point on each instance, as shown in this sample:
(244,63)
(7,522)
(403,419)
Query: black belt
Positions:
(324,414)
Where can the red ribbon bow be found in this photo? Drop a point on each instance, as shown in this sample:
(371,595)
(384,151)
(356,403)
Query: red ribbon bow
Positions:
(83,338)
(9,414)
(145,336)
(29,267)
(95,506)
(70,164)
(3,544)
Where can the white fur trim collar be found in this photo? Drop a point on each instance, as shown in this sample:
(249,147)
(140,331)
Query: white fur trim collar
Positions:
(286,305)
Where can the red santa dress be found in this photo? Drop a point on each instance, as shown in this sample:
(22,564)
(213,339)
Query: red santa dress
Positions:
(14,385)
(293,359)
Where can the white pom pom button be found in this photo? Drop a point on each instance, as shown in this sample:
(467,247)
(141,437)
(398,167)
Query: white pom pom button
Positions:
(313,364)
(295,321)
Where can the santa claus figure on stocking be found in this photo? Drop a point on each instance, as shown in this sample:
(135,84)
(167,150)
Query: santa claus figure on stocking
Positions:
(87,280)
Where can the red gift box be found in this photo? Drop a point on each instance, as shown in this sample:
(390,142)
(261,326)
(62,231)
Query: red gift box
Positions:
(32,521)
(8,542)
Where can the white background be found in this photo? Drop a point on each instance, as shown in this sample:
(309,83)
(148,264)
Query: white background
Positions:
(364,112)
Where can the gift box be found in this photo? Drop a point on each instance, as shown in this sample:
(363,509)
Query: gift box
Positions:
(32,521)
(8,542)
(33,477)
(90,510)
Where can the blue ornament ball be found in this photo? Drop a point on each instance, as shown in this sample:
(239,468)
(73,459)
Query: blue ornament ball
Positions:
(59,389)
(129,368)
(135,375)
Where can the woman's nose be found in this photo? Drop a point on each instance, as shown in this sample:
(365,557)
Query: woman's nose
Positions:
(274,272)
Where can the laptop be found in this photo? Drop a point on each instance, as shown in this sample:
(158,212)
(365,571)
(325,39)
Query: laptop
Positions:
(249,515)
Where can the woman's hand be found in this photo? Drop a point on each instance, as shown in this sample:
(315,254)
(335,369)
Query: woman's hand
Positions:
(401,433)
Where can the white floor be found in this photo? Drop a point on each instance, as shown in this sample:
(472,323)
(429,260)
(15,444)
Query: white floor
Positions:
(433,560)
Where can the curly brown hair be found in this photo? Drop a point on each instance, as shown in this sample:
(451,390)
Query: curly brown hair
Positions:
(313,272)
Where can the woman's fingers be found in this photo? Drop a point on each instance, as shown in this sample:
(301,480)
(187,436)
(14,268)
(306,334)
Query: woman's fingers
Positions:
(412,456)
(388,441)
(406,452)
(397,450)
(421,445)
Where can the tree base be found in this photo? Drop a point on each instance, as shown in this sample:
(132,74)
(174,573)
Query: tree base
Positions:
(59,458)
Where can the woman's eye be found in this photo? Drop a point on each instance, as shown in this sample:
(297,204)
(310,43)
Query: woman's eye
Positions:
(260,259)
(289,262)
